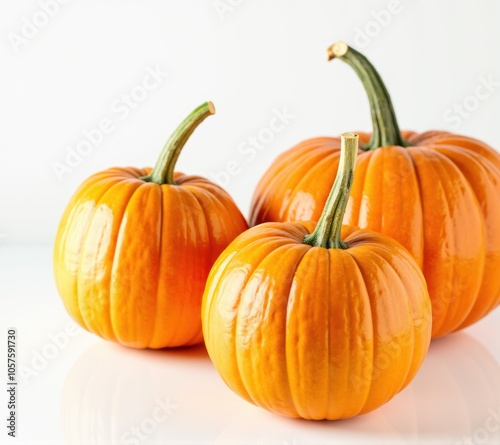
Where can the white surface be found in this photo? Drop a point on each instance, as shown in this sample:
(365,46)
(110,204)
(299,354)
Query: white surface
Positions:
(263,55)
(93,391)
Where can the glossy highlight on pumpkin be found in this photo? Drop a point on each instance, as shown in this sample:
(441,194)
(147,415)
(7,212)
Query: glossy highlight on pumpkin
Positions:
(134,248)
(436,193)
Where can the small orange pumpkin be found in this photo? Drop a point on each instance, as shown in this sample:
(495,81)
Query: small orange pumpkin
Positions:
(436,193)
(135,246)
(322,324)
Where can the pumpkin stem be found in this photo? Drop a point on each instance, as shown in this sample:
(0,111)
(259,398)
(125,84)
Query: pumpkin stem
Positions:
(328,230)
(385,125)
(163,171)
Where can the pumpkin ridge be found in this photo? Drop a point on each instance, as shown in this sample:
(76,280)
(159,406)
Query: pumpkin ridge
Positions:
(84,242)
(454,272)
(160,236)
(209,239)
(82,194)
(349,219)
(112,264)
(327,333)
(447,165)
(314,171)
(410,310)
(288,353)
(281,242)
(208,302)
(363,206)
(167,195)
(221,273)
(261,208)
(477,146)
(420,195)
(214,195)
(372,324)
(341,254)
(312,160)
(370,252)
(478,160)
(237,316)
(286,296)
(483,226)
(181,194)
(422,149)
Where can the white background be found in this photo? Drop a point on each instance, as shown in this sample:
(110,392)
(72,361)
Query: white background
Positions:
(249,60)
(261,55)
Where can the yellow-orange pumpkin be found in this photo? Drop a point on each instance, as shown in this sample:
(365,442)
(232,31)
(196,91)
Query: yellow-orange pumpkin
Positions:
(134,248)
(322,324)
(436,193)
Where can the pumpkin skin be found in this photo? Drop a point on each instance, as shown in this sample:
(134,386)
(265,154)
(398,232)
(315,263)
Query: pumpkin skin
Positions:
(313,332)
(436,193)
(131,257)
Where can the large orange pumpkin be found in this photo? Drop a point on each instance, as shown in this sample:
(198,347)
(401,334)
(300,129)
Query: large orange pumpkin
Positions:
(134,248)
(436,193)
(322,324)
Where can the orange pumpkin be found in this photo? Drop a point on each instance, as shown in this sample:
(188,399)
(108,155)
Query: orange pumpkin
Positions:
(134,248)
(436,193)
(322,324)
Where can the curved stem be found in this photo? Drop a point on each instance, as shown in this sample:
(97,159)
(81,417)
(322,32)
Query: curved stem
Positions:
(163,171)
(385,125)
(328,230)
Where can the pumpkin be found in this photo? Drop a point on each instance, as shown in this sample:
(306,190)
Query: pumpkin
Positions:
(319,324)
(436,193)
(134,248)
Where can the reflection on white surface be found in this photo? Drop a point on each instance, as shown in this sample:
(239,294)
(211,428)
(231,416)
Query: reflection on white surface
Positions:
(456,391)
(119,395)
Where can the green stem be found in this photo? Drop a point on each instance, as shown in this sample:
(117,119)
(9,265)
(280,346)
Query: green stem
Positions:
(385,125)
(328,230)
(163,171)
